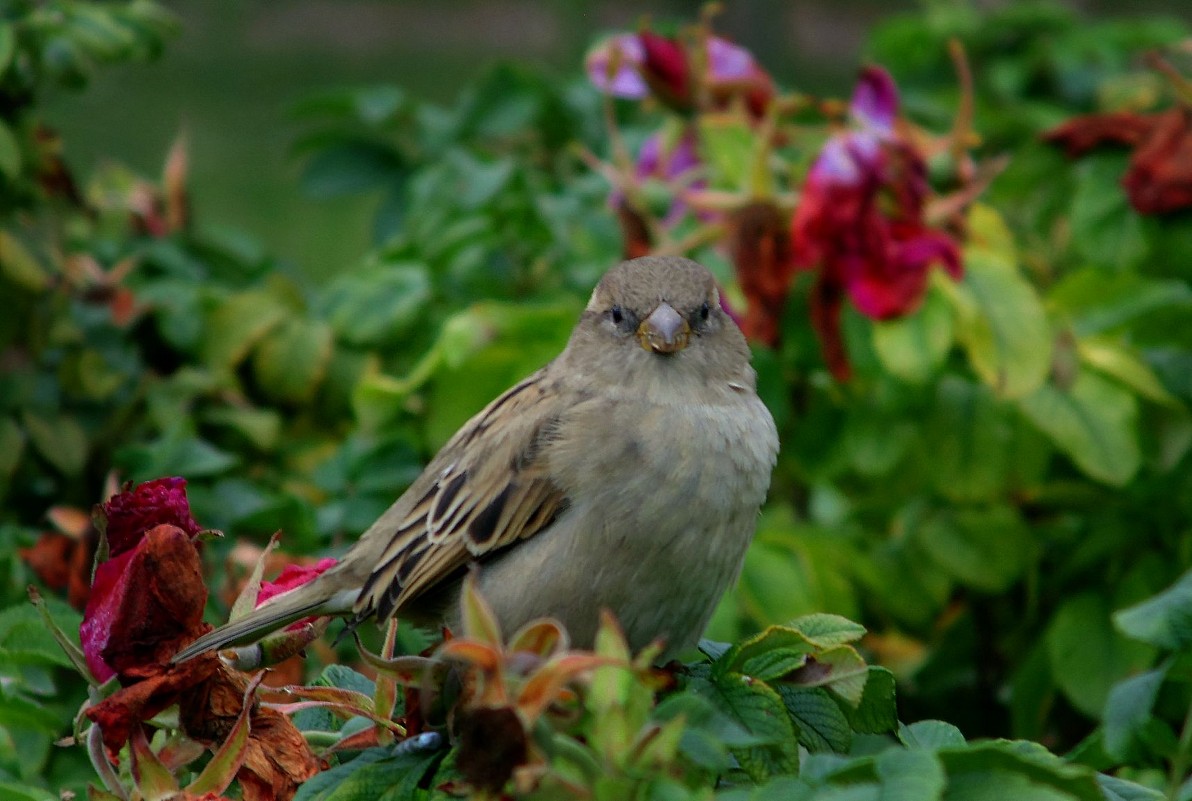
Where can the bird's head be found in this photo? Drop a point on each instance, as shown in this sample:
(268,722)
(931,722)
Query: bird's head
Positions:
(660,315)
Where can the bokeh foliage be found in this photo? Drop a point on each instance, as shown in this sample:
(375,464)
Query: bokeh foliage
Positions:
(1006,469)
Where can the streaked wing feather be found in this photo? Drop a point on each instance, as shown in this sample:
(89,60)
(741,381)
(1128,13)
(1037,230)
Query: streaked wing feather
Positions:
(487,488)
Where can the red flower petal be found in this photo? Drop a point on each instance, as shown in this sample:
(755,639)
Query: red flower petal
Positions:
(144,604)
(131,513)
(293,576)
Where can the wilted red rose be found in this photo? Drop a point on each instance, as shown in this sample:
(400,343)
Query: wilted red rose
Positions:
(133,511)
(145,604)
(1158,179)
(860,222)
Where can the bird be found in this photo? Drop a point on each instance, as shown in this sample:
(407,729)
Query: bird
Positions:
(625,475)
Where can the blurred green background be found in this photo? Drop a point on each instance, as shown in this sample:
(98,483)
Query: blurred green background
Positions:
(236,69)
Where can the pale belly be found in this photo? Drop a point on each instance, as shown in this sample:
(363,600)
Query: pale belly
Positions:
(659,532)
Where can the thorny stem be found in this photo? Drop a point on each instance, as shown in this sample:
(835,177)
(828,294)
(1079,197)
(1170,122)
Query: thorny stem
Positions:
(962,127)
(1182,758)
(1180,84)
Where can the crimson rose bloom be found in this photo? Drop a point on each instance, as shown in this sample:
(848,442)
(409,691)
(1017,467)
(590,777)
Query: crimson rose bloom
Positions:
(860,223)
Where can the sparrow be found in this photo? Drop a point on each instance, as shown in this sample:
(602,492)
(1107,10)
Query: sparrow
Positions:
(624,475)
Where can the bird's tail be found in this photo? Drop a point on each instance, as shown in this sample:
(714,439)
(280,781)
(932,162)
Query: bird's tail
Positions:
(315,598)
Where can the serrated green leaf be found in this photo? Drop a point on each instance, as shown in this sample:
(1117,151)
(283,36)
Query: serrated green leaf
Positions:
(820,724)
(1128,709)
(826,630)
(10,152)
(1087,656)
(1094,422)
(1164,621)
(290,362)
(754,650)
(877,713)
(393,778)
(760,711)
(930,735)
(914,347)
(1001,323)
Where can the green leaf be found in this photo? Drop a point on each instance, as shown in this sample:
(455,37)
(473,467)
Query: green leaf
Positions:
(968,441)
(1117,789)
(12,446)
(1087,656)
(1164,621)
(1128,710)
(910,775)
(1094,422)
(726,143)
(914,347)
(350,167)
(986,548)
(825,630)
(61,441)
(393,778)
(11,791)
(20,266)
(1093,302)
(290,362)
(819,721)
(8,45)
(1004,769)
(877,712)
(755,653)
(238,323)
(1106,230)
(1118,361)
(930,735)
(761,712)
(379,304)
(10,152)
(1001,323)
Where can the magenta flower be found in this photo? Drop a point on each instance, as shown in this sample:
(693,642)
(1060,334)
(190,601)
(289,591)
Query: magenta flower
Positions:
(860,221)
(636,65)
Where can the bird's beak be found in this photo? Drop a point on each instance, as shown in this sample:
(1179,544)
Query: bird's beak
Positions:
(664,331)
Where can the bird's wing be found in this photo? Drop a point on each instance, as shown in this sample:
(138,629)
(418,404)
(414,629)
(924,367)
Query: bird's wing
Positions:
(488,487)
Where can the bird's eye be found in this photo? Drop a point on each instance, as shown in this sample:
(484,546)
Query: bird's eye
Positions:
(705,311)
(616,314)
